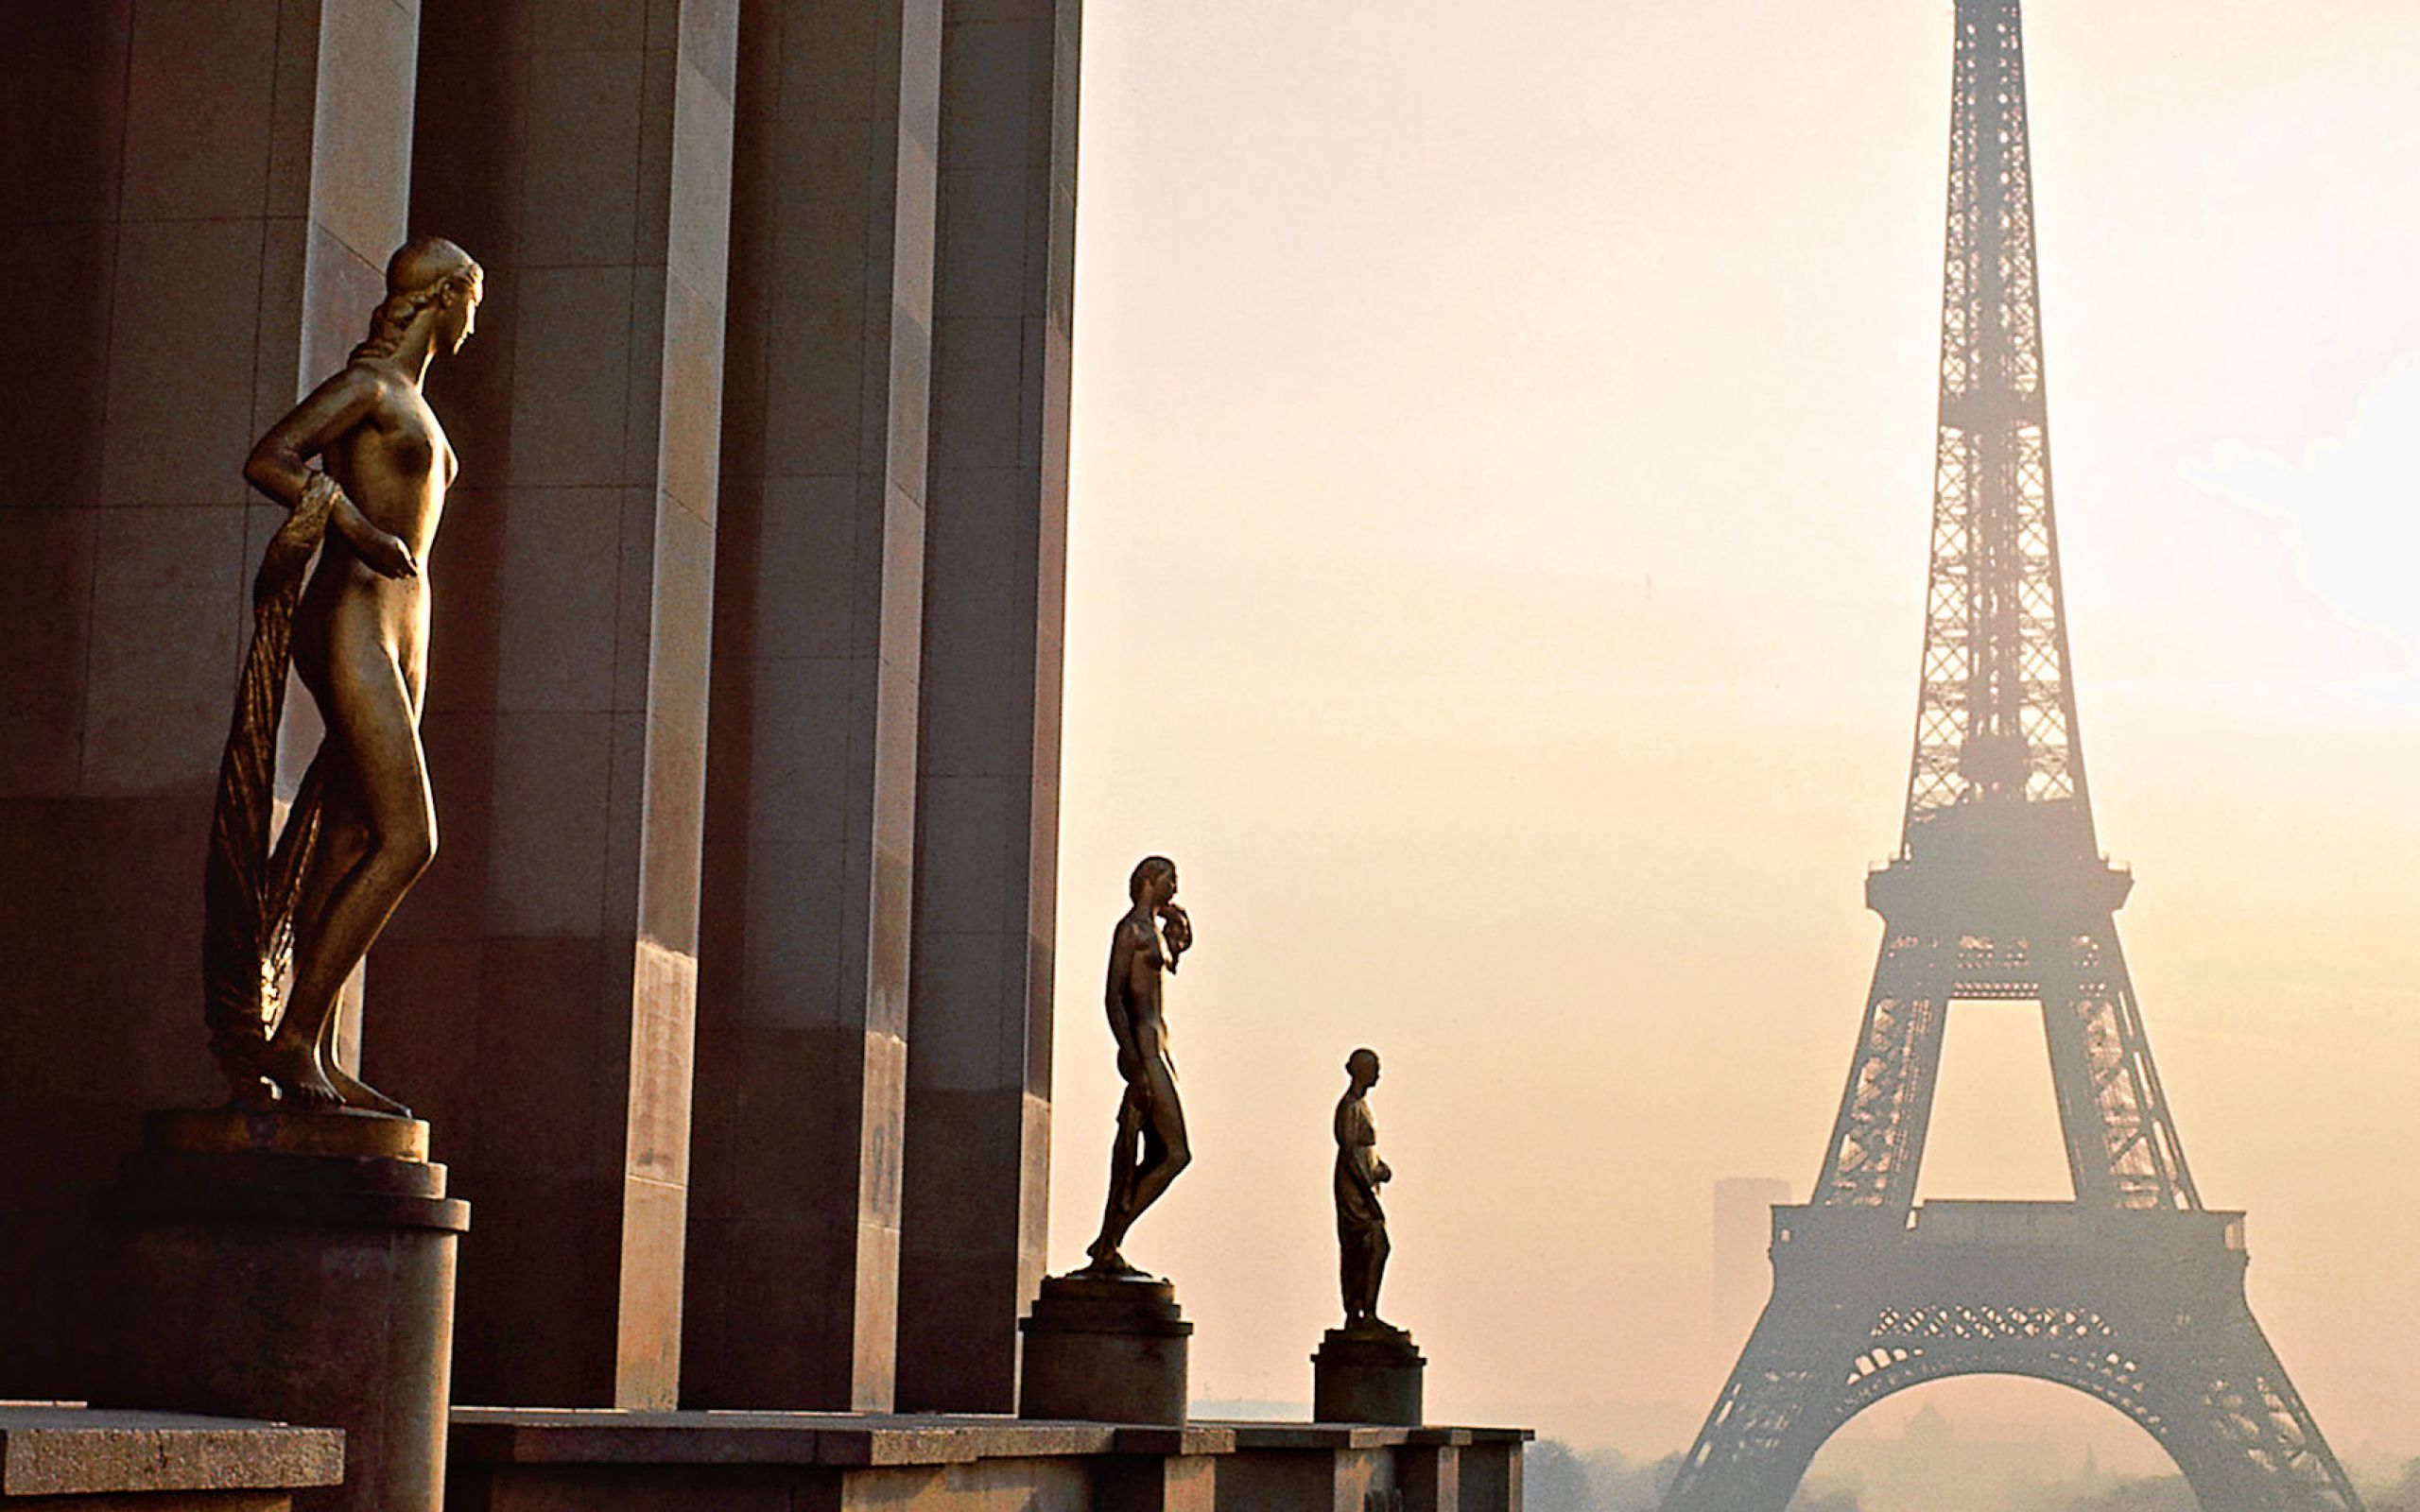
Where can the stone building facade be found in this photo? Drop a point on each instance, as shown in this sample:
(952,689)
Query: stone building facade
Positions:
(728,996)
(729,993)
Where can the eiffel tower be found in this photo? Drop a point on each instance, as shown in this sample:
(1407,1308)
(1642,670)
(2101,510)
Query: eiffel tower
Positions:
(2131,1292)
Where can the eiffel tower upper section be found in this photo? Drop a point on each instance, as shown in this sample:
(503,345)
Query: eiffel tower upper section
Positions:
(1998,890)
(1996,719)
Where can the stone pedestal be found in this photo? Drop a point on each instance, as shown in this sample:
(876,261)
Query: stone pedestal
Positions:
(1105,1350)
(299,1268)
(1367,1373)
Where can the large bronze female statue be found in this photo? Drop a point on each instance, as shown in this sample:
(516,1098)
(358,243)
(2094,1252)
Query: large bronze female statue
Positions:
(363,826)
(1151,1147)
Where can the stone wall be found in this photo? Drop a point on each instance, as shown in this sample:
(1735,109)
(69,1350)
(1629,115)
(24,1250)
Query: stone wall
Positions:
(199,201)
(524,1461)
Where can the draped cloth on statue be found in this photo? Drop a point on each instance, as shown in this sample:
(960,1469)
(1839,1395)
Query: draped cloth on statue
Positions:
(1360,1223)
(249,888)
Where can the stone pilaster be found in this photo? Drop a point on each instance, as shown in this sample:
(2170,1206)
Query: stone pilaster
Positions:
(976,1202)
(196,204)
(537,992)
(794,1233)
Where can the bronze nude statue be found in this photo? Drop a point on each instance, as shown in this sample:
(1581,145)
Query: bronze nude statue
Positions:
(1360,1223)
(285,926)
(1151,1147)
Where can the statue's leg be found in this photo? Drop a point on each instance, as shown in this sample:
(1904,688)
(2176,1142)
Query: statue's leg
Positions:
(1167,1150)
(372,733)
(343,840)
(1119,1211)
(1377,1250)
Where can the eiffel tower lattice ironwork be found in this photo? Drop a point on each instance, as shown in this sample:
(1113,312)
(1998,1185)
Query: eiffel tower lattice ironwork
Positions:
(2133,1291)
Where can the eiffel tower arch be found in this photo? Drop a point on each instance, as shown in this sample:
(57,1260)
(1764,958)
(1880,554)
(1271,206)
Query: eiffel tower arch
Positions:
(2133,1291)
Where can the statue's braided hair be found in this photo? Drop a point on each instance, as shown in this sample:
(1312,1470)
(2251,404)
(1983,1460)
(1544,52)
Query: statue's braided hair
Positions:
(1143,869)
(423,271)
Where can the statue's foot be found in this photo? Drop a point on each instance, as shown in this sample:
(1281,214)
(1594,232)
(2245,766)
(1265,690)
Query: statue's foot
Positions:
(354,1092)
(1108,1264)
(300,1078)
(253,1091)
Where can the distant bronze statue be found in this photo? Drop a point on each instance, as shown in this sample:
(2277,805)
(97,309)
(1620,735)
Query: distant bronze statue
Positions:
(1151,1147)
(362,827)
(1360,1222)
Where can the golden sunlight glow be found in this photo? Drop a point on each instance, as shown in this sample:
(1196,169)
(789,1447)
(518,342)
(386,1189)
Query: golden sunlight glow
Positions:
(1501,462)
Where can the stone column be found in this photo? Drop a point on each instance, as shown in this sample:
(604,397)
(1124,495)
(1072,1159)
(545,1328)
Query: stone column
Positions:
(1431,1476)
(535,995)
(978,1164)
(794,1230)
(196,204)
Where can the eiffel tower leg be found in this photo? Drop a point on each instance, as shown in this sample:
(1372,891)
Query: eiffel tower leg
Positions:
(1878,1140)
(2262,1446)
(1765,1428)
(2122,1147)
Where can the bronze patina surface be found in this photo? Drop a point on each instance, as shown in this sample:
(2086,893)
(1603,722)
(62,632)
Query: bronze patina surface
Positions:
(1360,1222)
(286,925)
(1151,1147)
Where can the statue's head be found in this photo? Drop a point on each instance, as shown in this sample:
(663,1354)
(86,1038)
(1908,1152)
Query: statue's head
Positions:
(1153,882)
(1362,1066)
(427,273)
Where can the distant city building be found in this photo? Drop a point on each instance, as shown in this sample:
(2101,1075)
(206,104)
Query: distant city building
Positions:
(1741,1274)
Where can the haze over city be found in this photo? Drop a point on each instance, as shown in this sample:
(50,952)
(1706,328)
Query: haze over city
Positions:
(1502,453)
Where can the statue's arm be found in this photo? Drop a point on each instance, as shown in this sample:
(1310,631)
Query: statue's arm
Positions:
(280,465)
(1120,1002)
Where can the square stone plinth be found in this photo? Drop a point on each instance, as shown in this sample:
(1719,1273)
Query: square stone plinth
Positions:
(1367,1373)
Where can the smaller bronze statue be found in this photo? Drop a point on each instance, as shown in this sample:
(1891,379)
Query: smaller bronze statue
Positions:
(1151,1147)
(286,925)
(1360,1222)
(1368,1371)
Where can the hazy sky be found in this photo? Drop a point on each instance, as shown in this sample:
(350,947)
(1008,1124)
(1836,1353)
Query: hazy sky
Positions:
(1502,460)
